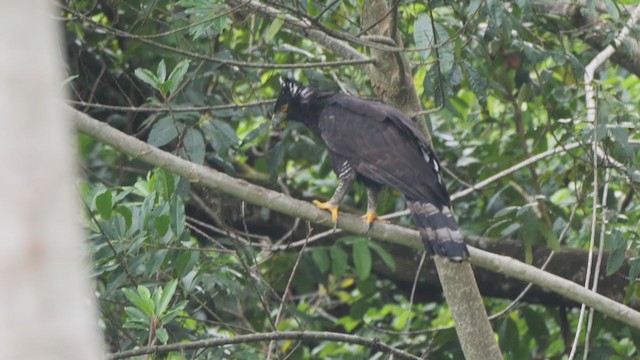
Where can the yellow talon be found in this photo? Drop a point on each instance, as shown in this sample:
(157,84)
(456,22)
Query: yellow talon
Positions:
(371,216)
(327,206)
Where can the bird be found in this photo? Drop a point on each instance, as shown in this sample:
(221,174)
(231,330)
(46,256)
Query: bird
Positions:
(378,146)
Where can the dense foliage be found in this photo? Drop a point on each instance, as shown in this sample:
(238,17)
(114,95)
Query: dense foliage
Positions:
(175,262)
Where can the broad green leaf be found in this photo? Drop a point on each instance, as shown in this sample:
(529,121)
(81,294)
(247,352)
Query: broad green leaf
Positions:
(194,145)
(161,72)
(338,261)
(144,292)
(206,18)
(506,210)
(321,259)
(104,204)
(157,258)
(136,315)
(423,35)
(362,258)
(161,224)
(634,270)
(536,325)
(275,159)
(127,215)
(184,263)
(275,26)
(162,335)
(509,335)
(162,132)
(399,322)
(384,255)
(177,74)
(167,295)
(141,299)
(178,220)
(550,236)
(446,51)
(221,136)
(175,311)
(612,10)
(148,77)
(253,134)
(617,251)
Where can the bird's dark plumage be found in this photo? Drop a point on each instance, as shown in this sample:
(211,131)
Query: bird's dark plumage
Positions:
(383,147)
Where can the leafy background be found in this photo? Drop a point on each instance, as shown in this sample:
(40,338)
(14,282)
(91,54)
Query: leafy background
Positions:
(175,262)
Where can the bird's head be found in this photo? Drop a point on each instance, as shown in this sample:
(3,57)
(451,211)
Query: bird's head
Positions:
(291,98)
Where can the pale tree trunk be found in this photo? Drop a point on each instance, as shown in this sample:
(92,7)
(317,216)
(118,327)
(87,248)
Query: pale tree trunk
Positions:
(46,306)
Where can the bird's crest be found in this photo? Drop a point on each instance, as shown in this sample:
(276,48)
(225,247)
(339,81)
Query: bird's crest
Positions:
(294,89)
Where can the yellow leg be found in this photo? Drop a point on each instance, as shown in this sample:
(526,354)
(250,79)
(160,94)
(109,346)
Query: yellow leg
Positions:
(333,209)
(371,216)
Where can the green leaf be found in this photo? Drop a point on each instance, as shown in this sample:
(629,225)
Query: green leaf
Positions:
(362,258)
(148,77)
(550,236)
(321,258)
(184,263)
(171,314)
(161,71)
(161,224)
(617,248)
(69,79)
(157,258)
(194,145)
(384,255)
(275,159)
(104,204)
(612,10)
(162,335)
(167,295)
(136,315)
(162,132)
(338,261)
(274,27)
(141,299)
(634,270)
(178,220)
(177,74)
(221,136)
(253,134)
(144,292)
(423,34)
(446,51)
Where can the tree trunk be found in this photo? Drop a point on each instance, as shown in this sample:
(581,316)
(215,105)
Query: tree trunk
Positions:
(392,80)
(46,306)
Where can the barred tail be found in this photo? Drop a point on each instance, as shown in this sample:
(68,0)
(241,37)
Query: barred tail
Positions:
(439,230)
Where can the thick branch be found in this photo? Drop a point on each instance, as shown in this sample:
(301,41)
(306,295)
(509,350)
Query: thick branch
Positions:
(392,233)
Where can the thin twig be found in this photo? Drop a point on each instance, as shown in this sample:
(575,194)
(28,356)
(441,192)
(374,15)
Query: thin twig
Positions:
(283,335)
(592,118)
(603,228)
(287,289)
(413,289)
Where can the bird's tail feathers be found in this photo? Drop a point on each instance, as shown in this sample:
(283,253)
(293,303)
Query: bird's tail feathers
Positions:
(439,230)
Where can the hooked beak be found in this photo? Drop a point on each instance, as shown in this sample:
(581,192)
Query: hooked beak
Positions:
(277,118)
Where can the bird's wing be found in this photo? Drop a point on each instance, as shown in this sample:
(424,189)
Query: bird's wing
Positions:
(383,145)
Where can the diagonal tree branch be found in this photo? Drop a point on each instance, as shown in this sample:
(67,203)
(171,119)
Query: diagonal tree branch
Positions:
(392,233)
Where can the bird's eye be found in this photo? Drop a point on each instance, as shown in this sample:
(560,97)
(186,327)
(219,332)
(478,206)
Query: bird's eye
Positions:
(285,108)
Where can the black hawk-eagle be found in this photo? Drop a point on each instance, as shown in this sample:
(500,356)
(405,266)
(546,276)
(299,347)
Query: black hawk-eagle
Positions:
(378,146)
